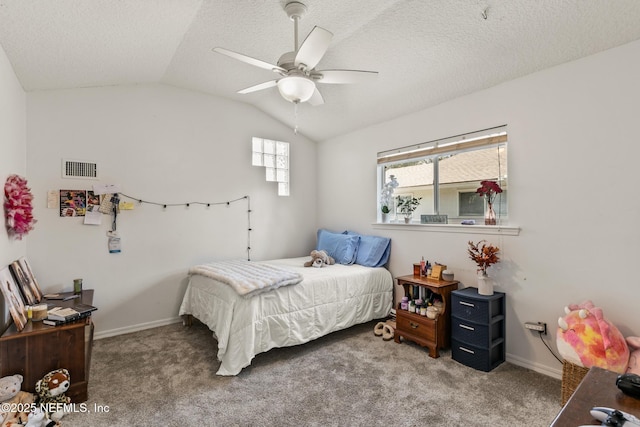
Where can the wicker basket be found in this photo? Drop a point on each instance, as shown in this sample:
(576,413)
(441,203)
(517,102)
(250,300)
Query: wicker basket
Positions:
(572,374)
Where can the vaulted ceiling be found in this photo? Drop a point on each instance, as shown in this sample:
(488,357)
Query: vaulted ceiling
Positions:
(426,51)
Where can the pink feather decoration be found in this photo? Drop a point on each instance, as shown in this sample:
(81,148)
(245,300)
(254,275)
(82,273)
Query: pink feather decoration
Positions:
(17,207)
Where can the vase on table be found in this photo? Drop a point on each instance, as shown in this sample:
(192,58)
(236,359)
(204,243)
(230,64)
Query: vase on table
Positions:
(485,284)
(407,219)
(489,215)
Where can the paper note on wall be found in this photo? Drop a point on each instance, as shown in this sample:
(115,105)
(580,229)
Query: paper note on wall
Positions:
(52,199)
(92,216)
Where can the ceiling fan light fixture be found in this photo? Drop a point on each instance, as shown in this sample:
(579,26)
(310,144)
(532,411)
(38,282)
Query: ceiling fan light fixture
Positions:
(296,88)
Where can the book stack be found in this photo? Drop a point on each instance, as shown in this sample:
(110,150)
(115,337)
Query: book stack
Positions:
(63,315)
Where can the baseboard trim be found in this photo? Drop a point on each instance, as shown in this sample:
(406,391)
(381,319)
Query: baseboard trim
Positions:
(543,369)
(136,328)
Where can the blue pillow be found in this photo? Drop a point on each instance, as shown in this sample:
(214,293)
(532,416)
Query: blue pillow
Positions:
(342,247)
(373,250)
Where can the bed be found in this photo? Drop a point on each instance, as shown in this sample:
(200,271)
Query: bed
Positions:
(327,299)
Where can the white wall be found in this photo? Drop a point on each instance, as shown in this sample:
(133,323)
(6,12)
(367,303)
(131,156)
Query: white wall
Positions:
(573,189)
(13,159)
(167,145)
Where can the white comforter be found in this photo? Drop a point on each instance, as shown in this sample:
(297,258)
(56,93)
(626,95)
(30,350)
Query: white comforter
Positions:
(327,300)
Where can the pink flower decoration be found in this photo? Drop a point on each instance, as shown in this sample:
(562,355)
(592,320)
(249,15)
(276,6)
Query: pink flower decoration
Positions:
(17,207)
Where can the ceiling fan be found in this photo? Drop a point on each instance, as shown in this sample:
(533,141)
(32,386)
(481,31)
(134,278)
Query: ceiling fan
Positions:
(297,68)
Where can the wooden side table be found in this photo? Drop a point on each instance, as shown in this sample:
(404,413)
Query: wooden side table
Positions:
(597,388)
(40,348)
(434,334)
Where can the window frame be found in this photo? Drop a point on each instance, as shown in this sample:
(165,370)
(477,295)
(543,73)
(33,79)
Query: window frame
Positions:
(435,151)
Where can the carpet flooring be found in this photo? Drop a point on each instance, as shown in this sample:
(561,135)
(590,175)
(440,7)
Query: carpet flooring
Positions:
(166,377)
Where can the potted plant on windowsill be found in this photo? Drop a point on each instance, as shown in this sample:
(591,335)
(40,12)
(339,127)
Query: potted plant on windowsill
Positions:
(385,212)
(386,197)
(407,205)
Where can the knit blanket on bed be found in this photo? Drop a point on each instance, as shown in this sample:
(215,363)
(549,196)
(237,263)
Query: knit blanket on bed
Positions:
(247,278)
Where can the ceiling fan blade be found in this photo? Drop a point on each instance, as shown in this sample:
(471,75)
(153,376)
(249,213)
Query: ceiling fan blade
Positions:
(313,47)
(249,60)
(316,98)
(261,86)
(344,76)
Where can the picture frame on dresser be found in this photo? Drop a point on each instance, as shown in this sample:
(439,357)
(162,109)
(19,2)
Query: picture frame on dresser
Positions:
(13,298)
(26,281)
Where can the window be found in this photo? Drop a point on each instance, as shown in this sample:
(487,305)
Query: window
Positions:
(274,156)
(446,173)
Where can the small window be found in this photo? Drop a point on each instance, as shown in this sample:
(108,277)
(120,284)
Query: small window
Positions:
(446,173)
(274,156)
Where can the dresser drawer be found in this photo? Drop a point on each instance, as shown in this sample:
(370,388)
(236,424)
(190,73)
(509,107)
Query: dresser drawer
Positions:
(416,326)
(477,334)
(466,304)
(483,359)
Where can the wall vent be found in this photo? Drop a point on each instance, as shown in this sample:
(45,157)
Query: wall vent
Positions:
(79,169)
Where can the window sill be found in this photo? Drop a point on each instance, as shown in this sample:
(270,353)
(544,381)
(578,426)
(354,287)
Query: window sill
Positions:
(506,230)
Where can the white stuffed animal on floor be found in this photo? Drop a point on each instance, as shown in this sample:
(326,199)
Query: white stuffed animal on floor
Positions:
(38,418)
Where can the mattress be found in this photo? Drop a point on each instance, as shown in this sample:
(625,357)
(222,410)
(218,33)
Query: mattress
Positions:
(327,300)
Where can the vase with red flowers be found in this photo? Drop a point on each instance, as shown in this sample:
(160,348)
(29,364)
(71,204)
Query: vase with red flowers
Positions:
(488,190)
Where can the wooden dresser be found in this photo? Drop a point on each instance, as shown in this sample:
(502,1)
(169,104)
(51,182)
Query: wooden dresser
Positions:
(39,349)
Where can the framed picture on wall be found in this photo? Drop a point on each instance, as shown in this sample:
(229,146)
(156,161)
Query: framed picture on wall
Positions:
(26,281)
(13,298)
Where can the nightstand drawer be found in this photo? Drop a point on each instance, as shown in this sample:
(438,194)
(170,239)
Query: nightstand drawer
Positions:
(417,326)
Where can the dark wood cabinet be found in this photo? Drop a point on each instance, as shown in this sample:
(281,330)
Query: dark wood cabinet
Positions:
(40,348)
(431,333)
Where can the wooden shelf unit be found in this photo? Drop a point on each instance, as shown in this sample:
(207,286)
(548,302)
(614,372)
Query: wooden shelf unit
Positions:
(431,333)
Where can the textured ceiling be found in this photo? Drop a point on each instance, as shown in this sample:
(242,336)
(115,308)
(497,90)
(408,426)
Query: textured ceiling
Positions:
(426,51)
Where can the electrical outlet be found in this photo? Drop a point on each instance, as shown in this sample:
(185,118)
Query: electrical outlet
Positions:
(537,326)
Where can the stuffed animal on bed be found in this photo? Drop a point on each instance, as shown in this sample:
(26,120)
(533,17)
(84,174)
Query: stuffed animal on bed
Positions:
(586,338)
(319,259)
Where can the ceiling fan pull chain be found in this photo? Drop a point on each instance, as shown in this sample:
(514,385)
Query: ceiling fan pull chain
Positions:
(295,117)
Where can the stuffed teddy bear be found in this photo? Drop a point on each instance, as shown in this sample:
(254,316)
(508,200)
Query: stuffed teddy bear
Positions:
(319,259)
(634,357)
(586,338)
(51,389)
(9,387)
(11,394)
